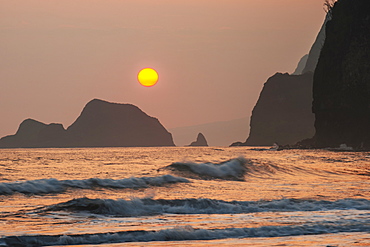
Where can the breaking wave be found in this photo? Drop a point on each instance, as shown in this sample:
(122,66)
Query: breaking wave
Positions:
(147,206)
(188,233)
(52,185)
(233,169)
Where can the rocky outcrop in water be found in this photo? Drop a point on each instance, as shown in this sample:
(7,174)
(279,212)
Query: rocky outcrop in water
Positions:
(101,124)
(220,133)
(341,89)
(200,142)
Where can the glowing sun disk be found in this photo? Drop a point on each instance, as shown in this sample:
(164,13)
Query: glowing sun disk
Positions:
(147,77)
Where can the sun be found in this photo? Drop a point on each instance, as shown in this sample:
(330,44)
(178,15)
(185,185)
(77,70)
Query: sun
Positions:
(147,77)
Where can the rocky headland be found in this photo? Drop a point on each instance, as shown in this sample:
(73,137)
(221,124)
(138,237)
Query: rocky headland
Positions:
(283,112)
(340,60)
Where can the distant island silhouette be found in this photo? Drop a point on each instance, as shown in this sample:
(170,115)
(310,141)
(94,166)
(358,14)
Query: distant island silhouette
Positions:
(101,124)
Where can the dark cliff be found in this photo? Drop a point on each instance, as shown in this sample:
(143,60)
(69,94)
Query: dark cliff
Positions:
(200,142)
(101,124)
(341,88)
(283,111)
(314,54)
(302,64)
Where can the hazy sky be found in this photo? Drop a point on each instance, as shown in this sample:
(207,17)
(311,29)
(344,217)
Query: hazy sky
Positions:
(212,56)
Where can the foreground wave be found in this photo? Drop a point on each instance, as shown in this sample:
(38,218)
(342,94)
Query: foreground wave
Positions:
(188,233)
(43,186)
(233,169)
(236,169)
(147,206)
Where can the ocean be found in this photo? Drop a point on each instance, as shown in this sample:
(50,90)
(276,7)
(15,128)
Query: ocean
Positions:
(184,196)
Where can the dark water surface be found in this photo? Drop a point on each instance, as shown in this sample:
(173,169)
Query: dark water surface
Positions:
(186,196)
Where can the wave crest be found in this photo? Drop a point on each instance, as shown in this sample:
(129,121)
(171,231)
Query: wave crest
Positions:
(52,185)
(147,206)
(188,233)
(233,169)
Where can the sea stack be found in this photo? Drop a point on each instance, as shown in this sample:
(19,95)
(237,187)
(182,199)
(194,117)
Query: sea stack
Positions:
(200,142)
(341,88)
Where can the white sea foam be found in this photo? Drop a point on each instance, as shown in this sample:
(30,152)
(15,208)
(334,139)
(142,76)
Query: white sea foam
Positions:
(52,185)
(231,169)
(146,206)
(188,233)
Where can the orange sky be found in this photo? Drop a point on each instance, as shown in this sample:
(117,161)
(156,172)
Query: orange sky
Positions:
(212,56)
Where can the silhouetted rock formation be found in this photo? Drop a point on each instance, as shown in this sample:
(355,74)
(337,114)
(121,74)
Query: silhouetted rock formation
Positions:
(301,65)
(119,125)
(101,124)
(341,89)
(309,61)
(32,133)
(283,111)
(313,56)
(200,142)
(220,133)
